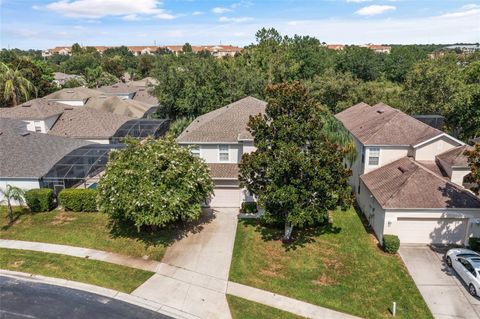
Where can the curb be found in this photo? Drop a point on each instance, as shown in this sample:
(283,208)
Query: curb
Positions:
(110,293)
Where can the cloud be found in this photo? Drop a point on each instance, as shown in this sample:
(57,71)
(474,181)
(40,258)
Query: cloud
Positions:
(165,16)
(94,9)
(235,20)
(374,10)
(464,11)
(220,10)
(197,13)
(358,1)
(131,17)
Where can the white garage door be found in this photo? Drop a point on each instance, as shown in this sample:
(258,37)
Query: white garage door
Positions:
(225,197)
(430,230)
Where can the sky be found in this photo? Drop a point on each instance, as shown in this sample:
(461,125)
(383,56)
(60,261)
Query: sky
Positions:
(28,24)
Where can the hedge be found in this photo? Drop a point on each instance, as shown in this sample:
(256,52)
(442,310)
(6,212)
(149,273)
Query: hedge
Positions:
(40,199)
(474,243)
(391,243)
(249,208)
(78,200)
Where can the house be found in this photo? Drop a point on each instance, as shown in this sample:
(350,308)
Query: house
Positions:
(221,138)
(121,90)
(73,96)
(379,48)
(27,156)
(57,50)
(408,177)
(337,47)
(59,78)
(38,114)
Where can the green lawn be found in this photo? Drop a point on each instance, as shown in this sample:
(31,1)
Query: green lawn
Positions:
(339,267)
(93,272)
(84,230)
(245,309)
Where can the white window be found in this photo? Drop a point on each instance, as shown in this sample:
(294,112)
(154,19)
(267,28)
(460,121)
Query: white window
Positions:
(223,153)
(38,127)
(374,156)
(195,150)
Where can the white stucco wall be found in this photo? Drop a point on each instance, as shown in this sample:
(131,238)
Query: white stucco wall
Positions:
(388,154)
(428,151)
(210,153)
(457,175)
(24,184)
(98,141)
(71,102)
(372,210)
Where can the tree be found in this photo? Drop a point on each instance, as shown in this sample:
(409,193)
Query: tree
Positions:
(153,183)
(297,171)
(12,194)
(401,59)
(14,85)
(187,48)
(145,65)
(474,163)
(96,77)
(361,62)
(113,65)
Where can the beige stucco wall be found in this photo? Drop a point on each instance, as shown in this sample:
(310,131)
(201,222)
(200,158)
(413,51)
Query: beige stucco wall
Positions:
(428,151)
(372,210)
(457,175)
(209,152)
(388,154)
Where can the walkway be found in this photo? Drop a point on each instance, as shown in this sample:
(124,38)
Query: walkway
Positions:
(442,290)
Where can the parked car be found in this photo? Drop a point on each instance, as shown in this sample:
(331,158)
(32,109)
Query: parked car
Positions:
(466,263)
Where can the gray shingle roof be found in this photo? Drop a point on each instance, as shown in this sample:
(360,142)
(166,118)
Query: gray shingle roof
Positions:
(405,183)
(226,124)
(116,105)
(78,93)
(454,157)
(225,171)
(85,122)
(30,155)
(118,88)
(383,125)
(37,109)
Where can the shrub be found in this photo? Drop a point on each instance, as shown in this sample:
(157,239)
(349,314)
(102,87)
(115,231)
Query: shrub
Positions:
(40,199)
(249,208)
(474,243)
(78,200)
(391,243)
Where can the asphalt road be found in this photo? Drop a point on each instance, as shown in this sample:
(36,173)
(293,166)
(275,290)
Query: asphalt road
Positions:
(23,299)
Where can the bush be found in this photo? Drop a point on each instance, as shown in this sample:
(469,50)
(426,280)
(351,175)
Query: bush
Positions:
(474,243)
(249,208)
(40,199)
(391,243)
(78,200)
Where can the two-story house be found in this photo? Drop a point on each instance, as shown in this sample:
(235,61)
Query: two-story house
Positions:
(221,138)
(408,177)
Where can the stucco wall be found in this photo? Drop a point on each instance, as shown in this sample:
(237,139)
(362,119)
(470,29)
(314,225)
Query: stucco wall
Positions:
(457,175)
(24,184)
(388,154)
(71,102)
(372,210)
(428,151)
(209,152)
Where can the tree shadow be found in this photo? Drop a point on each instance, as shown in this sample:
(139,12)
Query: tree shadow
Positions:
(366,225)
(300,236)
(164,236)
(16,216)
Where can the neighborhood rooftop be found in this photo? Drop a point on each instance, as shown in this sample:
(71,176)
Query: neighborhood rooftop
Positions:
(117,105)
(78,93)
(17,162)
(226,124)
(405,183)
(383,125)
(37,109)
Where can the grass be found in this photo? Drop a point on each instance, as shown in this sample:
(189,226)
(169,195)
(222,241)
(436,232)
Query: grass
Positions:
(93,272)
(245,309)
(338,266)
(88,230)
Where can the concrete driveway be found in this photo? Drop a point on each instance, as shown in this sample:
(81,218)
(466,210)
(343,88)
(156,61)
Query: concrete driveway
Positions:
(443,291)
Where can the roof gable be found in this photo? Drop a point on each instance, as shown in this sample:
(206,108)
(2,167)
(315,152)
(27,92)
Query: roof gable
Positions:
(37,109)
(455,157)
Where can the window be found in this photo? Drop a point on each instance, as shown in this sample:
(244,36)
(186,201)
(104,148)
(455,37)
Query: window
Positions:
(374,156)
(38,127)
(195,150)
(223,153)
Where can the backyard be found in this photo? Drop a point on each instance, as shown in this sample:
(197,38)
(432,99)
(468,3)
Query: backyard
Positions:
(338,266)
(90,230)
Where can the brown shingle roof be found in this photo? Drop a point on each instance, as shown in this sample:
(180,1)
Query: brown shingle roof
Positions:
(226,124)
(407,184)
(78,93)
(37,109)
(84,122)
(223,171)
(383,125)
(116,105)
(455,156)
(118,88)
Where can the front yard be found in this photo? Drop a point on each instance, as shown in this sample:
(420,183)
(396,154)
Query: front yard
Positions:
(88,230)
(245,309)
(338,267)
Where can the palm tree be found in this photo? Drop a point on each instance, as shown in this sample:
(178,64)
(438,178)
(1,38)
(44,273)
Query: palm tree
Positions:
(337,133)
(10,194)
(14,84)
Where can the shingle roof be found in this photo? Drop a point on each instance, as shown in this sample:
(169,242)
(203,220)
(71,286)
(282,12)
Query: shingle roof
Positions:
(78,93)
(28,154)
(455,157)
(226,124)
(116,105)
(223,171)
(118,88)
(84,122)
(37,109)
(143,95)
(383,125)
(407,184)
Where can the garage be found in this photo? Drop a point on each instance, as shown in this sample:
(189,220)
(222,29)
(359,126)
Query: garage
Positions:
(430,230)
(225,197)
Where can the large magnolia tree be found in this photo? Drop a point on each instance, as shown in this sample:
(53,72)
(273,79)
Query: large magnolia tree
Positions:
(474,163)
(153,183)
(298,171)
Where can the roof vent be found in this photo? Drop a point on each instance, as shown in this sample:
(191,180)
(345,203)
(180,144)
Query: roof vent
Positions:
(68,108)
(24,133)
(380,111)
(114,86)
(26,105)
(70,91)
(403,169)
